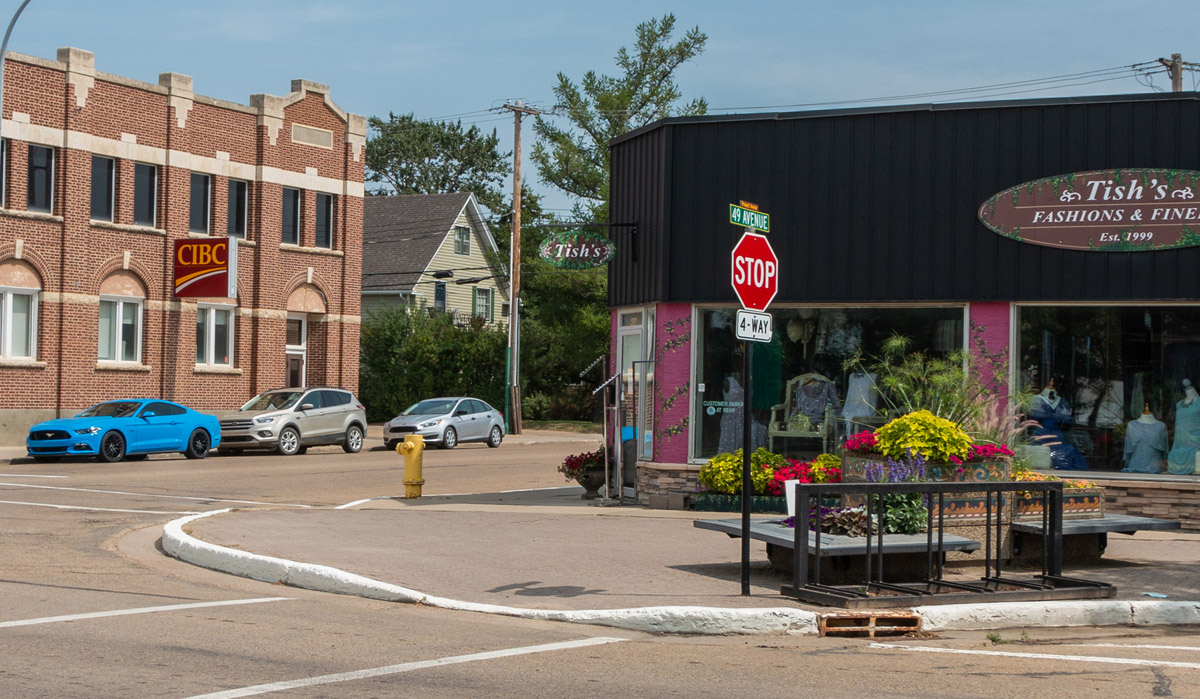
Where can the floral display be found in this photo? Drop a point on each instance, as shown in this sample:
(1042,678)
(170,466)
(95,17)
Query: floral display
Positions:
(576,465)
(826,468)
(723,473)
(862,444)
(922,432)
(979,453)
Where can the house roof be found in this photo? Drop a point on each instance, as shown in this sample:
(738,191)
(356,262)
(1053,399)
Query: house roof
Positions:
(402,233)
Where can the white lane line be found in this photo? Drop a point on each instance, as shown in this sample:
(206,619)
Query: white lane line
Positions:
(138,610)
(151,495)
(356,503)
(94,509)
(1041,656)
(1138,645)
(404,667)
(27,475)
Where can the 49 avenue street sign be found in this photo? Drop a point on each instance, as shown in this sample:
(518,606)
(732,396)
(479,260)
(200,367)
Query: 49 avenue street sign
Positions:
(753,326)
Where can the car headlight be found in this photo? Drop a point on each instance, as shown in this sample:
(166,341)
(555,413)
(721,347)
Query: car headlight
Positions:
(88,430)
(431,423)
(266,420)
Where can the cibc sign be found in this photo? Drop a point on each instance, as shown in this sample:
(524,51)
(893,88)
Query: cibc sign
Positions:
(206,267)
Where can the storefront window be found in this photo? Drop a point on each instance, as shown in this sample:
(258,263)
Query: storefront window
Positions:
(1109,365)
(805,401)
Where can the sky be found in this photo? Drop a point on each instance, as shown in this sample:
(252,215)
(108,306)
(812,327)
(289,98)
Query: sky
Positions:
(462,60)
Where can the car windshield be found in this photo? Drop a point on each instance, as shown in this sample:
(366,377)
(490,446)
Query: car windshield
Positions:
(120,408)
(433,406)
(275,400)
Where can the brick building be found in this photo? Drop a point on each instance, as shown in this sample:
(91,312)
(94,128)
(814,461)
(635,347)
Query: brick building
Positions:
(102,174)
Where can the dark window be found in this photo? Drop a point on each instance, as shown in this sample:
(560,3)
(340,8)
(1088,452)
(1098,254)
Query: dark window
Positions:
(198,220)
(477,407)
(41,179)
(291,216)
(237,208)
(462,240)
(313,397)
(4,172)
(102,187)
(332,399)
(159,408)
(145,194)
(324,227)
(439,296)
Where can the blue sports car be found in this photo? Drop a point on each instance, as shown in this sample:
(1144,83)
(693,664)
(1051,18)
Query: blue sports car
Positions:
(122,429)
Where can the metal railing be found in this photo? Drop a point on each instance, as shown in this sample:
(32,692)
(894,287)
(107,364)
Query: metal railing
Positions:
(935,588)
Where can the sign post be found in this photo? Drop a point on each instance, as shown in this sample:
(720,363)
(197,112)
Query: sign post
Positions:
(755,280)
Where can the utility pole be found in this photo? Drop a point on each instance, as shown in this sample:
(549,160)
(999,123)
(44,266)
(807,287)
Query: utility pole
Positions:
(1175,70)
(512,391)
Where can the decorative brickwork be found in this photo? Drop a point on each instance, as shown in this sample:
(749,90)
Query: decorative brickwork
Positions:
(1164,500)
(78,112)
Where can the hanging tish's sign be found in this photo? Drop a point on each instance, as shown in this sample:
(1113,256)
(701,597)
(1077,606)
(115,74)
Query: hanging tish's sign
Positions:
(1126,210)
(576,250)
(206,267)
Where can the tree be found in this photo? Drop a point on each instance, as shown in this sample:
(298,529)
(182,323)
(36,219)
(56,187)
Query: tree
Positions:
(414,156)
(576,159)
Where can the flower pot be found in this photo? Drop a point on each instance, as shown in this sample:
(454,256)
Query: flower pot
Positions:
(591,480)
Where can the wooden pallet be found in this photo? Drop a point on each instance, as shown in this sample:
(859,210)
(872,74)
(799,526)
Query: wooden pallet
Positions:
(869,624)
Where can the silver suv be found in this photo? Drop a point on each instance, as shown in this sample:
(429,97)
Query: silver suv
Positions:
(290,420)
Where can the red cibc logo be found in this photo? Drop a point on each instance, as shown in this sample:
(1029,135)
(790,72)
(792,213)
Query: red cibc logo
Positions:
(755,271)
(202,267)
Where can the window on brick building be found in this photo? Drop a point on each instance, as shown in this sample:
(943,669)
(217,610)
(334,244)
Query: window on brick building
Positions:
(145,194)
(18,323)
(239,204)
(201,201)
(103,187)
(214,335)
(40,188)
(4,147)
(462,240)
(120,329)
(324,224)
(291,216)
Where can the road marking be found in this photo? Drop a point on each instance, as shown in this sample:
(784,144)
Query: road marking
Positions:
(95,509)
(404,667)
(139,610)
(1041,656)
(151,495)
(1138,645)
(356,503)
(27,475)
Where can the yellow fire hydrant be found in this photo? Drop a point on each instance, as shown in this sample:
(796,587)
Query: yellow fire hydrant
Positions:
(412,449)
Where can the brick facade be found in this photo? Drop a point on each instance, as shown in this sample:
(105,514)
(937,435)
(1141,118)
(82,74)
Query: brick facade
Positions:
(301,140)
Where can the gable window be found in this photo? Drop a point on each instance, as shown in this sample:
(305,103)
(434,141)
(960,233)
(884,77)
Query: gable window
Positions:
(145,194)
(324,226)
(201,190)
(214,335)
(103,170)
(439,296)
(18,323)
(291,216)
(40,191)
(462,240)
(120,329)
(238,206)
(481,305)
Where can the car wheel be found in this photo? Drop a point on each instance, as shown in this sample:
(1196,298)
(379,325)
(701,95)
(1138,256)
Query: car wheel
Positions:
(495,437)
(136,457)
(198,444)
(112,448)
(354,440)
(449,438)
(289,441)
(47,459)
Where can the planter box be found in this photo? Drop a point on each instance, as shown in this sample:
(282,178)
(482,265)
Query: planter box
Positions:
(717,502)
(1078,503)
(854,470)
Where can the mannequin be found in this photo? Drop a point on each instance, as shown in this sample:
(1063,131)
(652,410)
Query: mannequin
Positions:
(861,398)
(1145,444)
(1182,459)
(1051,410)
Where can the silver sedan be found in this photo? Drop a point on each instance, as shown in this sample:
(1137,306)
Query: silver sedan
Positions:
(447,422)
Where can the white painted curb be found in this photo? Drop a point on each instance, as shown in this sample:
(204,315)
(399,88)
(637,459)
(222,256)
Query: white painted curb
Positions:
(1007,615)
(684,620)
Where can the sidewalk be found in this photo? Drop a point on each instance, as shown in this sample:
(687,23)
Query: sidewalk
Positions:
(547,554)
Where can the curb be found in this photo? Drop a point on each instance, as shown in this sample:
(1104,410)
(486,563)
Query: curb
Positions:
(669,619)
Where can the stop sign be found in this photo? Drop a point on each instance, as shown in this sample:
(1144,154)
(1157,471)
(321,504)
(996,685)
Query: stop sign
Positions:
(755,271)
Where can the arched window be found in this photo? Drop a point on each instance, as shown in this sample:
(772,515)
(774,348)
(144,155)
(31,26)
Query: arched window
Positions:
(19,287)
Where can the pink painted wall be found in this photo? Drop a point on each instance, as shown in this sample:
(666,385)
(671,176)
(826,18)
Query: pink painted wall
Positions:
(989,338)
(672,384)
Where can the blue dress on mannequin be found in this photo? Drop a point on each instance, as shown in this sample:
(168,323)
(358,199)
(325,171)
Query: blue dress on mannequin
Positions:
(1182,459)
(1050,414)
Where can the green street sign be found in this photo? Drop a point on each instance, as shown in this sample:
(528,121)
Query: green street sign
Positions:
(749,218)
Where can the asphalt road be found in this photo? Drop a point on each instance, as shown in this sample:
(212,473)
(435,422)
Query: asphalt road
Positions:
(89,607)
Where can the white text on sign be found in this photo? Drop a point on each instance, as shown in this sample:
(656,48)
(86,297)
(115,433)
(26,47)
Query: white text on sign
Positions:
(752,271)
(753,326)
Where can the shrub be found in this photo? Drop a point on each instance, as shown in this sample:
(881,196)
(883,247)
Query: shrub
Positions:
(826,468)
(723,473)
(576,465)
(922,432)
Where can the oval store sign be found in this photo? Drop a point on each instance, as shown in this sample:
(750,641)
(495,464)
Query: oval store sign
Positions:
(576,250)
(1109,211)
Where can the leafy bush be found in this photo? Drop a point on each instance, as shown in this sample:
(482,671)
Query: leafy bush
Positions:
(723,473)
(826,468)
(904,513)
(922,432)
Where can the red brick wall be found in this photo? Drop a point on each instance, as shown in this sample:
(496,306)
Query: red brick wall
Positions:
(73,256)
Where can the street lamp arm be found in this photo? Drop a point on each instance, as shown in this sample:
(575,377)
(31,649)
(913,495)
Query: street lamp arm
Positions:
(3,55)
